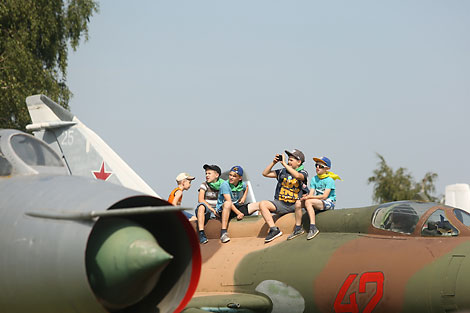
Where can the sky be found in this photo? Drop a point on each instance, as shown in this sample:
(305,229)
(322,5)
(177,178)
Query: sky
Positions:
(172,85)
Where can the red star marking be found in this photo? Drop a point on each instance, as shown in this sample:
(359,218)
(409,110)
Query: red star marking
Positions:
(102,174)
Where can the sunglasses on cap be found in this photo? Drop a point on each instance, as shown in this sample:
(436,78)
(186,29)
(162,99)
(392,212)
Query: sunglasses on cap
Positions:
(320,166)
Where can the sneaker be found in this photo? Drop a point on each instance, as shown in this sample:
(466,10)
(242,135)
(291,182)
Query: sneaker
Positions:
(273,234)
(296,233)
(312,233)
(202,238)
(224,238)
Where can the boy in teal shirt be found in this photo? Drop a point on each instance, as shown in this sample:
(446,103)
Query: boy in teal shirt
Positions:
(322,196)
(231,200)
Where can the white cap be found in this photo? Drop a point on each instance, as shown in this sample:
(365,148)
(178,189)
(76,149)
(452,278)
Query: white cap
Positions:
(183,176)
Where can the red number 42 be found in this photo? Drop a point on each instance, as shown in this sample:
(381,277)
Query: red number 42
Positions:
(352,307)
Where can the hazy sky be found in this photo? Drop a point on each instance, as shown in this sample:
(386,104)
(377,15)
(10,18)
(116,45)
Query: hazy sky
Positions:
(171,85)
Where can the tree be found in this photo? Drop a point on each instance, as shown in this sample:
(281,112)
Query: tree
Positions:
(34,40)
(397,185)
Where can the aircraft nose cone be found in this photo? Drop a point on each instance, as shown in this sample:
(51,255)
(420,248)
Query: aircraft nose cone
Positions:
(124,262)
(144,255)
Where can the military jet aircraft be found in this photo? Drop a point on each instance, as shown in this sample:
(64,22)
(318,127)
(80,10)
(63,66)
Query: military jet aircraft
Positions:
(80,245)
(396,257)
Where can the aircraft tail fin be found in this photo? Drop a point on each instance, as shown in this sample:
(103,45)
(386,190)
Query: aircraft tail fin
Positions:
(82,150)
(46,114)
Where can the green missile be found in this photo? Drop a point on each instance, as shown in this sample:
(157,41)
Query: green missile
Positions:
(124,262)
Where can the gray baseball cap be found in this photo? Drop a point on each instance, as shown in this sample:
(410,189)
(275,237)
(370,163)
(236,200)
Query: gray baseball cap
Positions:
(296,153)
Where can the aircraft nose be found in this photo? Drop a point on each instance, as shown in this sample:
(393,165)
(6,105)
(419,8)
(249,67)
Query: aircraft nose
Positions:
(124,262)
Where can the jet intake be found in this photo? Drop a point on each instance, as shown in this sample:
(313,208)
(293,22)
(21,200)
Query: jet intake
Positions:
(124,262)
(58,258)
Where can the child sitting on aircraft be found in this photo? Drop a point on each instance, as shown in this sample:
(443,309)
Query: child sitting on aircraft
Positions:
(322,196)
(207,199)
(231,200)
(184,183)
(291,181)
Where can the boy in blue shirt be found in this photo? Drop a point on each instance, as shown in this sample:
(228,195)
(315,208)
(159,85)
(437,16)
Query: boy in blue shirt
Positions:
(322,196)
(231,200)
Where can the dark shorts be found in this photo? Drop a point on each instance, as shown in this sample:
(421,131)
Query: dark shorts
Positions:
(283,207)
(207,213)
(242,208)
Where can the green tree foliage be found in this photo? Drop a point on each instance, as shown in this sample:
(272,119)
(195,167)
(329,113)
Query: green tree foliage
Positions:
(398,185)
(34,39)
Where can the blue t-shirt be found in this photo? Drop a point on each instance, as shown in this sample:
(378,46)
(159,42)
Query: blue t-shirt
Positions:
(321,184)
(225,190)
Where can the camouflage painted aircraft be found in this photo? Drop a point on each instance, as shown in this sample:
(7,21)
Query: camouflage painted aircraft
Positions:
(80,245)
(396,257)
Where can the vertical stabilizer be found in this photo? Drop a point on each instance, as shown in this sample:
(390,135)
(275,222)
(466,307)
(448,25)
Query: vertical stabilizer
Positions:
(84,152)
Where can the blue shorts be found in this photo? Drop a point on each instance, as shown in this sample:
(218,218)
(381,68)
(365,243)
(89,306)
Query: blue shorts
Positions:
(188,215)
(328,204)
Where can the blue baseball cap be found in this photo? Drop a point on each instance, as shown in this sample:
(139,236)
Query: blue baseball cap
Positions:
(323,160)
(237,169)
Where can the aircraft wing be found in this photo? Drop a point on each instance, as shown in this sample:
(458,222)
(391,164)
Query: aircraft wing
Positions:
(83,151)
(229,302)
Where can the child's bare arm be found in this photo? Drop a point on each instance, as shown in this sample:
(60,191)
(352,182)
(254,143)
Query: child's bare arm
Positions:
(324,196)
(240,215)
(243,198)
(268,172)
(200,199)
(309,196)
(178,195)
(201,195)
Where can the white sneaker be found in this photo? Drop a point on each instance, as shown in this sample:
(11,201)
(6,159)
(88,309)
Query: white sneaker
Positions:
(224,238)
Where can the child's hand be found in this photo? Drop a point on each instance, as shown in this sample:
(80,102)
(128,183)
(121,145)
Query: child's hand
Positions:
(240,216)
(215,212)
(242,201)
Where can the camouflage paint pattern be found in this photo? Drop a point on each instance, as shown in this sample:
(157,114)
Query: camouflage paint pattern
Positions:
(351,266)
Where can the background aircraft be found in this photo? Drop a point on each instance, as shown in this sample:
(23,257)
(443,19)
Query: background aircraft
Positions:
(84,152)
(81,245)
(395,257)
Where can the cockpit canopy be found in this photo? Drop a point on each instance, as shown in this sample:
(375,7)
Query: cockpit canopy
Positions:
(400,216)
(403,216)
(23,154)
